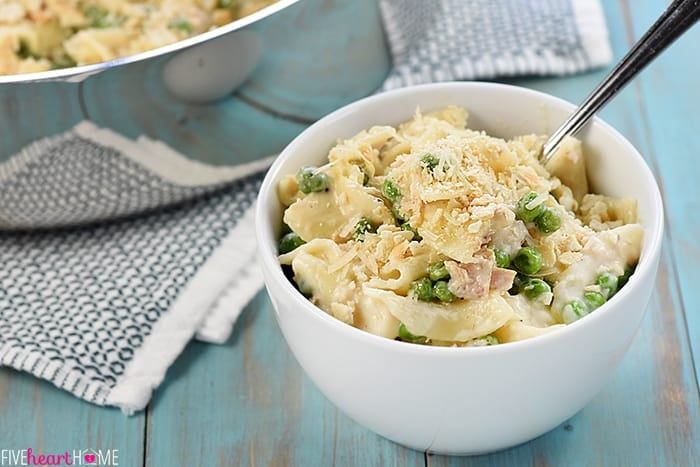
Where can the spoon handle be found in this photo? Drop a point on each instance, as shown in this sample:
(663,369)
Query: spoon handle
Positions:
(678,18)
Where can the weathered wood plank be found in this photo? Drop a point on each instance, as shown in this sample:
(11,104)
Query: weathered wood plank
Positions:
(248,403)
(648,414)
(34,414)
(236,130)
(669,98)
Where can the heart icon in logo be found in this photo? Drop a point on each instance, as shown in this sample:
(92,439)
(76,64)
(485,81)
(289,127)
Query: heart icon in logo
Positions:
(89,458)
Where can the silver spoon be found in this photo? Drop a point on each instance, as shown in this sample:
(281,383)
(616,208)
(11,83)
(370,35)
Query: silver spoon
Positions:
(677,19)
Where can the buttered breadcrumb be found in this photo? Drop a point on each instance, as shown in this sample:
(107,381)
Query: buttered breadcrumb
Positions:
(437,234)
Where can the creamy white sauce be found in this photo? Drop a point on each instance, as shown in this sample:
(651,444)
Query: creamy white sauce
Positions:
(609,251)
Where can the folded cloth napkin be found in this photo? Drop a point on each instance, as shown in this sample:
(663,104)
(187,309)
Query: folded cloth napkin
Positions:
(148,249)
(446,40)
(102,310)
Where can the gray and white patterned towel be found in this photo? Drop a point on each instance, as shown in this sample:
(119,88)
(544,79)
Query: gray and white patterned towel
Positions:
(93,174)
(115,253)
(102,309)
(446,40)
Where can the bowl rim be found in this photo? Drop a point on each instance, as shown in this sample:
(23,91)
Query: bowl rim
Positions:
(78,73)
(270,263)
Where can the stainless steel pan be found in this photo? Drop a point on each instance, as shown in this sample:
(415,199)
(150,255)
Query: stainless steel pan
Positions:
(230,95)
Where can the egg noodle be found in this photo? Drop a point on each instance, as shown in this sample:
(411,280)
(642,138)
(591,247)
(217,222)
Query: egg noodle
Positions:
(436,234)
(39,35)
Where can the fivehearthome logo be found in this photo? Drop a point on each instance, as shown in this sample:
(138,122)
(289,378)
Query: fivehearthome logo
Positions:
(76,457)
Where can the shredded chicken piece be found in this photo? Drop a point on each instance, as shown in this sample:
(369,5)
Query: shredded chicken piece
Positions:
(470,280)
(501,279)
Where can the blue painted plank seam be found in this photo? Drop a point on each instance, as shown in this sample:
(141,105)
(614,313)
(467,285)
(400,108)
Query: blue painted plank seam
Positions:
(648,139)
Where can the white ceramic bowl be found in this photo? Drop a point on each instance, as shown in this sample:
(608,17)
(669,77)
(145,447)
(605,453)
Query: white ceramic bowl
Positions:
(464,400)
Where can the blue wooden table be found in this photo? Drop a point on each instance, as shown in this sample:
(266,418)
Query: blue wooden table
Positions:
(248,402)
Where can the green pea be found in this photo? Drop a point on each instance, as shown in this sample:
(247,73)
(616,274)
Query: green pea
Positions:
(608,284)
(525,214)
(528,260)
(290,242)
(97,17)
(393,194)
(181,24)
(102,23)
(430,161)
(310,181)
(24,51)
(362,227)
(228,3)
(406,335)
(442,293)
(422,289)
(305,172)
(574,311)
(391,191)
(533,288)
(593,300)
(317,183)
(437,271)
(64,61)
(484,341)
(491,340)
(622,280)
(416,236)
(502,258)
(548,222)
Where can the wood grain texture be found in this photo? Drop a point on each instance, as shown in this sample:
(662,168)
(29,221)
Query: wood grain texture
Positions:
(248,403)
(649,413)
(669,101)
(646,415)
(34,414)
